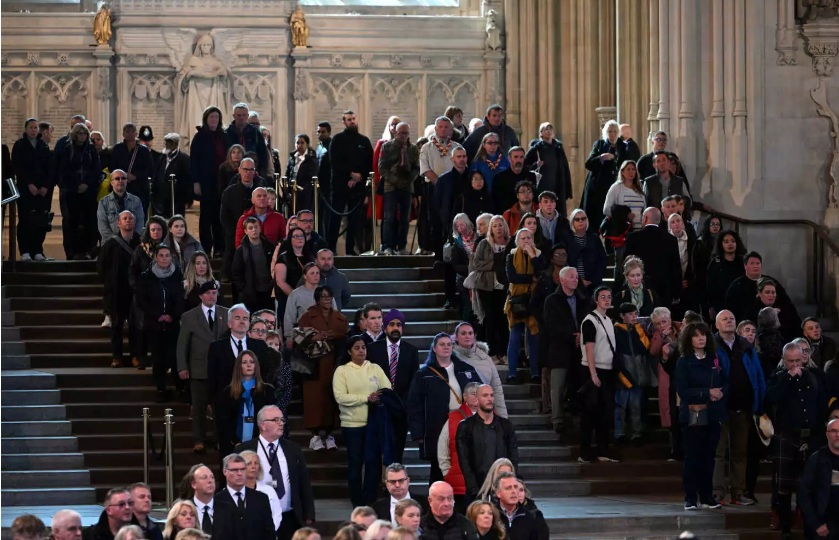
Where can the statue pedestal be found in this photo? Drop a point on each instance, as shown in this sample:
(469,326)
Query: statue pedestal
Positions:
(101,80)
(831,217)
(301,58)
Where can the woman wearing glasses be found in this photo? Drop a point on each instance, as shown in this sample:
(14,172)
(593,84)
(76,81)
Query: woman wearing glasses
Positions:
(289,267)
(490,160)
(586,252)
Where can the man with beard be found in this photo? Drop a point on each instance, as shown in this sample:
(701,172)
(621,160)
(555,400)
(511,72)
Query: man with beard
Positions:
(172,162)
(399,360)
(324,131)
(493,123)
(351,159)
(504,183)
(645,163)
(481,439)
(241,132)
(398,167)
(524,204)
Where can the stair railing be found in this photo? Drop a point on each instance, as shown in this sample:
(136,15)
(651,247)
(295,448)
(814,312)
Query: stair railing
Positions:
(821,243)
(13,195)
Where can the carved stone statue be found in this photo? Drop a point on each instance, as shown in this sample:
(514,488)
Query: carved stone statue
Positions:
(810,10)
(299,28)
(203,77)
(102,25)
(493,41)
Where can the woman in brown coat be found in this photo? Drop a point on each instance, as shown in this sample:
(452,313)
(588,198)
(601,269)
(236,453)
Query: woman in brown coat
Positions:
(318,404)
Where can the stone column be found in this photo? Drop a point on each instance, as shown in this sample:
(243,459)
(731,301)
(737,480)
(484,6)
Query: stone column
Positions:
(605,46)
(652,114)
(689,81)
(663,59)
(716,141)
(304,117)
(102,112)
(632,42)
(739,140)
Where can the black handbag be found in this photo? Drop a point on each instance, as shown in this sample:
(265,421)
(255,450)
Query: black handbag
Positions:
(520,305)
(300,362)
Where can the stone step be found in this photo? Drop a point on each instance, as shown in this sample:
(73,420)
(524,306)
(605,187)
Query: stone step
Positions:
(66,497)
(9,333)
(16,361)
(32,413)
(30,397)
(650,485)
(38,445)
(27,379)
(47,461)
(606,524)
(54,428)
(400,300)
(45,478)
(13,348)
(396,287)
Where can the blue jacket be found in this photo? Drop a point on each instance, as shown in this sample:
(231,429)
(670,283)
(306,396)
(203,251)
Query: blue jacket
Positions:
(428,401)
(753,369)
(593,257)
(694,380)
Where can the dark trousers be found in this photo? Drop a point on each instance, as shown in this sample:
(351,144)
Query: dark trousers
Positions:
(118,318)
(199,390)
(400,429)
(436,474)
(162,339)
(227,259)
(676,449)
(258,301)
(289,526)
(599,417)
(78,221)
(424,217)
(395,231)
(495,322)
(344,201)
(698,468)
(755,452)
(30,239)
(362,473)
(210,232)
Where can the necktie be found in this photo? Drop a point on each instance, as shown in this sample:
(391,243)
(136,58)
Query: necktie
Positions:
(239,345)
(206,523)
(276,474)
(210,320)
(394,356)
(240,502)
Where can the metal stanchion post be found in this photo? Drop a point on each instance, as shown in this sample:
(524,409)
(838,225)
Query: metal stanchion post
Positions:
(146,445)
(374,250)
(315,186)
(172,181)
(294,188)
(278,191)
(284,185)
(170,469)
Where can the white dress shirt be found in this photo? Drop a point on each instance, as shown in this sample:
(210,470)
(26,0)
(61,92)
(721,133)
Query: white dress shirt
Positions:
(235,498)
(200,506)
(262,451)
(233,344)
(276,511)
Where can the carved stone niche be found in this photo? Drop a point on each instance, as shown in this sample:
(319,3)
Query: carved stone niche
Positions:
(822,39)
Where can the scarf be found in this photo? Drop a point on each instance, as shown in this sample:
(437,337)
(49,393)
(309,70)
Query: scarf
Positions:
(493,164)
(523,265)
(244,430)
(162,273)
(683,250)
(636,296)
(469,244)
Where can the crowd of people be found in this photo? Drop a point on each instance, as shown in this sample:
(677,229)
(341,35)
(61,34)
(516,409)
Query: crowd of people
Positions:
(528,281)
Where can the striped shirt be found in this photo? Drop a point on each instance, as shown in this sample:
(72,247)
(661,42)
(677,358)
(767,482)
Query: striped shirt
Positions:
(619,194)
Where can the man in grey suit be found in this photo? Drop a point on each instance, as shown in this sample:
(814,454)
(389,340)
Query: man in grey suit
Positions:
(200,326)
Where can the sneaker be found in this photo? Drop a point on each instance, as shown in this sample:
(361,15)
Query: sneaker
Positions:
(25,257)
(691,505)
(751,496)
(583,459)
(39,257)
(107,322)
(713,504)
(316,443)
(404,251)
(742,500)
(330,443)
(606,458)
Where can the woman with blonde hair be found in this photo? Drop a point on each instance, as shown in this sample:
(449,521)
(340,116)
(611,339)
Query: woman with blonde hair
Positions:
(378,530)
(130,532)
(182,515)
(407,514)
(306,533)
(191,534)
(633,291)
(487,520)
(626,191)
(199,271)
(253,479)
(664,346)
(500,465)
(523,265)
(488,269)
(401,533)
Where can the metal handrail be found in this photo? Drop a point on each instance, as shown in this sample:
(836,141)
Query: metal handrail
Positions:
(821,238)
(15,194)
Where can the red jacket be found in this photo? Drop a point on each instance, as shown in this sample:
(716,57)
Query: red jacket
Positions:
(455,475)
(273,227)
(513,216)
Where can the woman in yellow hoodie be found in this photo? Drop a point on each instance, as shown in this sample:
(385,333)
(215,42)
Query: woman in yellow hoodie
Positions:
(357,385)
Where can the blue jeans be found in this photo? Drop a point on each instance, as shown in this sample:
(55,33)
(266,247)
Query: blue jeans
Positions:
(516,333)
(362,492)
(628,397)
(395,235)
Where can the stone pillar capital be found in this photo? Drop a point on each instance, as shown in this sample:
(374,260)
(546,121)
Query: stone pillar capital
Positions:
(822,38)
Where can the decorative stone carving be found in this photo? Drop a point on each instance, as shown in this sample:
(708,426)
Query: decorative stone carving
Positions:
(63,58)
(425,61)
(103,83)
(299,28)
(33,58)
(823,55)
(395,60)
(493,40)
(604,114)
(253,88)
(301,85)
(151,87)
(786,33)
(366,59)
(63,86)
(102,25)
(819,96)
(204,76)
(454,60)
(811,10)
(337,60)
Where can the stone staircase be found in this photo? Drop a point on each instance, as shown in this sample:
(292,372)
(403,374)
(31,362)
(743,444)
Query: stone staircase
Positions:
(40,461)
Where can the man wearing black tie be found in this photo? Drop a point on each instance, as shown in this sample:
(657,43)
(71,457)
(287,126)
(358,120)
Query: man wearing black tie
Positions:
(204,485)
(200,327)
(241,513)
(221,357)
(399,360)
(284,468)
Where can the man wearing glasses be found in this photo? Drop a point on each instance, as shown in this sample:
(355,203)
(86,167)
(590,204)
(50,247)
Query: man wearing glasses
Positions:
(398,485)
(524,204)
(235,200)
(284,469)
(118,512)
(119,200)
(645,164)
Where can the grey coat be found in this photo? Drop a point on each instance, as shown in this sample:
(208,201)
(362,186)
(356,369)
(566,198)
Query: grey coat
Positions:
(195,337)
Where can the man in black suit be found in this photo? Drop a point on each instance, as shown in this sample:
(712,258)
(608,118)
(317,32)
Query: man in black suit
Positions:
(564,312)
(200,327)
(221,357)
(373,314)
(172,162)
(399,360)
(241,513)
(660,252)
(398,485)
(284,468)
